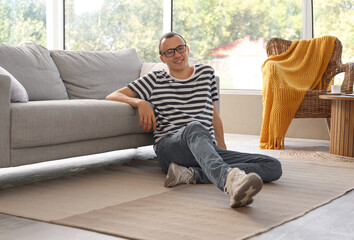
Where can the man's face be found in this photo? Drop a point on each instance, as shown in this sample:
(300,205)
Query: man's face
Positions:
(179,61)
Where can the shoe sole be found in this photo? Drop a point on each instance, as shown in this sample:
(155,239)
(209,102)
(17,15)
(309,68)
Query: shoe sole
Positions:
(244,194)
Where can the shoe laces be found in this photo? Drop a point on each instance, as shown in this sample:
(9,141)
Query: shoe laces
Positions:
(234,175)
(184,174)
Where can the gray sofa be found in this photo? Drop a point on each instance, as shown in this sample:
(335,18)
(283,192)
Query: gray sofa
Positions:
(65,114)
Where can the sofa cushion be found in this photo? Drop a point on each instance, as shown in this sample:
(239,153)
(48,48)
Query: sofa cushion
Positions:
(95,74)
(17,92)
(64,121)
(150,67)
(33,67)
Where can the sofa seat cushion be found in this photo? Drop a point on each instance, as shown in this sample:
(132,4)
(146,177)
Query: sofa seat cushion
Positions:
(54,122)
(95,74)
(33,67)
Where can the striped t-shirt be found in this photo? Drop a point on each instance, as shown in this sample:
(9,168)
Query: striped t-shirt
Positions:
(178,102)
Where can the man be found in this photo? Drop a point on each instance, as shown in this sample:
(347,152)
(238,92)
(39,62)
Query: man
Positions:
(188,131)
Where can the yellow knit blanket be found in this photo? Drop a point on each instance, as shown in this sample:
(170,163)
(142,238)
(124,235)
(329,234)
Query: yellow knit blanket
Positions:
(286,78)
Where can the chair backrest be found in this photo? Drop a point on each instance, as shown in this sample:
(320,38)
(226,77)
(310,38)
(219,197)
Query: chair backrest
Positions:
(276,46)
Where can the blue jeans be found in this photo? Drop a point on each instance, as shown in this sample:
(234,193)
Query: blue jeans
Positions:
(192,146)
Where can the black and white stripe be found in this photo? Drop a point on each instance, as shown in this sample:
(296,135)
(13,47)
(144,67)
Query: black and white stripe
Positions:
(178,102)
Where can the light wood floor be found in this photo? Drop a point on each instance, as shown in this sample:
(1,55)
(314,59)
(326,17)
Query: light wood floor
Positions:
(331,221)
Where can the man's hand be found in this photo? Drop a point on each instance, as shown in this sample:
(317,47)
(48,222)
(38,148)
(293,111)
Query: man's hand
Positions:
(146,115)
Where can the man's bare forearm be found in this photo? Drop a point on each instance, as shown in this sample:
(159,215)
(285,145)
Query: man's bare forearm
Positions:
(125,95)
(219,133)
(218,128)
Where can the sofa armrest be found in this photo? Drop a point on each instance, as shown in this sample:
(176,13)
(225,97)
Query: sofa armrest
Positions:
(5,97)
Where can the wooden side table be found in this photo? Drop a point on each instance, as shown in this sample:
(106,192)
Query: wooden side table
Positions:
(342,124)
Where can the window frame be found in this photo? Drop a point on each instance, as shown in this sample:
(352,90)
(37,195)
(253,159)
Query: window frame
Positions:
(56,21)
(56,27)
(55,18)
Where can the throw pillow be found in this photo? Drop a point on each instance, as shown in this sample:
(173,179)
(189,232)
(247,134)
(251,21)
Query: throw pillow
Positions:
(33,67)
(95,74)
(18,92)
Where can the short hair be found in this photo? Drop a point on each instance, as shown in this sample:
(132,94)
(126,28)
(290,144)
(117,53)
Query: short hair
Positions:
(169,35)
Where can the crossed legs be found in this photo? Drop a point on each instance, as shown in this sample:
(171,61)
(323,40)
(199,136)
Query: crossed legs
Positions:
(193,147)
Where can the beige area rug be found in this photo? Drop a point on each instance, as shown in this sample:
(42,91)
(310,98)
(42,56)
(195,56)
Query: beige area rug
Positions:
(130,201)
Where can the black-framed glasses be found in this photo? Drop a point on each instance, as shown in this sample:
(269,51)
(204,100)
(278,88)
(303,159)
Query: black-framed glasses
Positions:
(171,52)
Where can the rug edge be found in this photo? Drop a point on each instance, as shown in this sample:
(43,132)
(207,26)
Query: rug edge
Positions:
(299,215)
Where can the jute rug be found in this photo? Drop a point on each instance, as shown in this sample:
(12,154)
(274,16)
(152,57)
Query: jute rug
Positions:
(130,200)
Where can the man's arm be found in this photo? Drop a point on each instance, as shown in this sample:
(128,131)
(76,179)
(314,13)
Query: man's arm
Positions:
(146,114)
(218,128)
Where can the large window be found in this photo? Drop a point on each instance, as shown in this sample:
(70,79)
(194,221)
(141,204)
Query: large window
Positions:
(23,22)
(336,18)
(231,35)
(114,25)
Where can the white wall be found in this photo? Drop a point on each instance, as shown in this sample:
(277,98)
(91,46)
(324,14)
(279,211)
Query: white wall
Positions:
(242,114)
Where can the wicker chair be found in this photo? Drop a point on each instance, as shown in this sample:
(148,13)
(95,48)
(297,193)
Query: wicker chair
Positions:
(312,106)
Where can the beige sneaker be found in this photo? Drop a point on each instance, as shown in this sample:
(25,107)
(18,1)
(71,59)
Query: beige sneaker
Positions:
(241,187)
(179,175)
